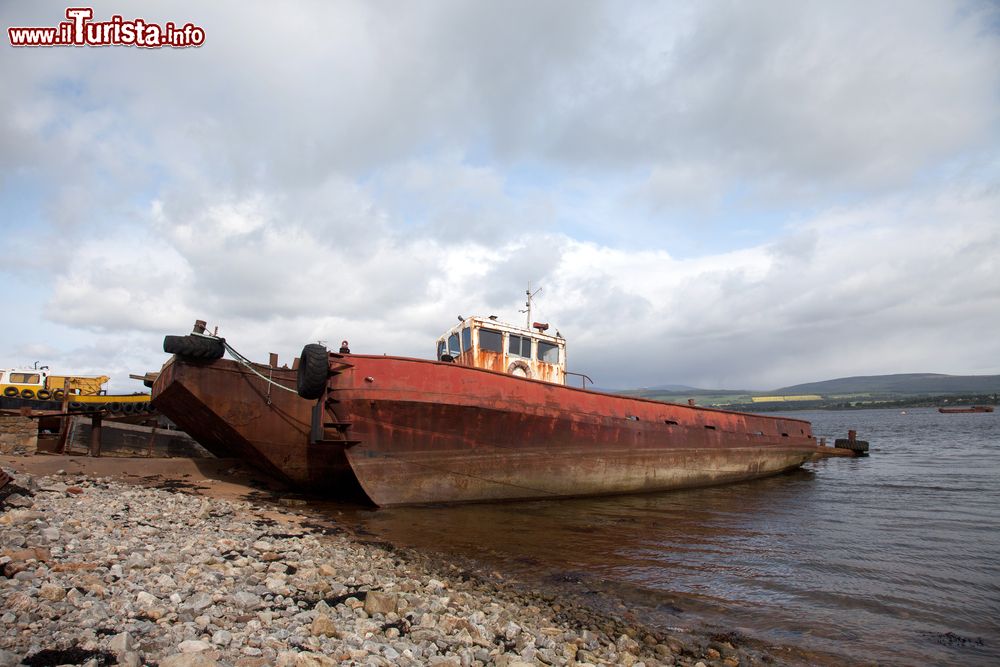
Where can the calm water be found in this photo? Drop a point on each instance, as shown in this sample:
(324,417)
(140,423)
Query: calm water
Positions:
(894,558)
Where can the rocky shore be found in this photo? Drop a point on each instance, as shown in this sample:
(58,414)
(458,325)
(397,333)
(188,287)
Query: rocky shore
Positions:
(100,572)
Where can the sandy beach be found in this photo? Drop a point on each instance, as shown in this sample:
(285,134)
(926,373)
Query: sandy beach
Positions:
(196,562)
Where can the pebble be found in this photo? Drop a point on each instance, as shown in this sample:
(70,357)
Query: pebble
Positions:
(181,580)
(193,646)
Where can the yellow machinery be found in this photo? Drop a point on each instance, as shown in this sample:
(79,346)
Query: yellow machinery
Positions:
(83,392)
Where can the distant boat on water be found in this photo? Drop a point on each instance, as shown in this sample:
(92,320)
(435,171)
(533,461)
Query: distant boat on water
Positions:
(972,408)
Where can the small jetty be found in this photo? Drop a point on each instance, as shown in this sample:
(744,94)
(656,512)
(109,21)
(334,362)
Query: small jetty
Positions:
(843,447)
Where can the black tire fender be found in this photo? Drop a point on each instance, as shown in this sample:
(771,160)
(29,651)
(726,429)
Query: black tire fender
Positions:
(75,405)
(314,369)
(11,392)
(27,393)
(114,406)
(194,347)
(44,394)
(59,394)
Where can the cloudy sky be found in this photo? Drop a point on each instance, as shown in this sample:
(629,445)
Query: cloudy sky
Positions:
(721,194)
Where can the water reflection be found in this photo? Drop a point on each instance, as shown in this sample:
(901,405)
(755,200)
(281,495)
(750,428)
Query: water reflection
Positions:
(875,558)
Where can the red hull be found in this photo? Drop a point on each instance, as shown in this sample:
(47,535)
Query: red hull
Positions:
(231,413)
(412,431)
(420,431)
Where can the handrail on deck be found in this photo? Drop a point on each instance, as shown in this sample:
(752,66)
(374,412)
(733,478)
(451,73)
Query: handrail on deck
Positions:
(583,376)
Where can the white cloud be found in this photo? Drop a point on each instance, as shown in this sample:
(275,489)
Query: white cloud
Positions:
(367,171)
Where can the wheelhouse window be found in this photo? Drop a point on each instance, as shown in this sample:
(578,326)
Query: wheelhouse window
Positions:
(453,347)
(519,346)
(24,378)
(548,352)
(491,341)
(467,338)
(441,349)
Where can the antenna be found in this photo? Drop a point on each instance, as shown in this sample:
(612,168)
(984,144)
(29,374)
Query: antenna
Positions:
(527,304)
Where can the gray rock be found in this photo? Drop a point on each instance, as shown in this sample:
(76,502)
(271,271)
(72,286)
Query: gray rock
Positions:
(199,601)
(193,646)
(146,600)
(53,487)
(8,659)
(12,539)
(222,637)
(17,500)
(188,660)
(166,581)
(121,643)
(23,516)
(246,600)
(130,659)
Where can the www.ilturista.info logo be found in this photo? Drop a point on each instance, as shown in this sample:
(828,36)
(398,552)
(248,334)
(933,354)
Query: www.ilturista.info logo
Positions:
(80,30)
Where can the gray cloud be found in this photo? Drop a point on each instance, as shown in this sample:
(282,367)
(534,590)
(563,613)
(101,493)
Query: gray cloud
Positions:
(369,170)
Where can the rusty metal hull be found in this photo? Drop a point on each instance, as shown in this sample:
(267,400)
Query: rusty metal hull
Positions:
(232,413)
(410,431)
(429,432)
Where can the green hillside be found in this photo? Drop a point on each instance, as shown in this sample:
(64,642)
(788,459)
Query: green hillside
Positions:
(900,390)
(906,383)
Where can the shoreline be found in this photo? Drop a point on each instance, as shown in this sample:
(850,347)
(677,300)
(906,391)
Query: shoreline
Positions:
(318,592)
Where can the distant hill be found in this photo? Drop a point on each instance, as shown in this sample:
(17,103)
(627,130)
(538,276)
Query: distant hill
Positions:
(901,390)
(904,383)
(671,387)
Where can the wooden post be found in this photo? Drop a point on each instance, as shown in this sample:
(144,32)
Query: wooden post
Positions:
(95,435)
(152,442)
(64,427)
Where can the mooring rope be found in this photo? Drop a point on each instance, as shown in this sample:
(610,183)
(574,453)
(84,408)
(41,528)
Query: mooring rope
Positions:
(249,364)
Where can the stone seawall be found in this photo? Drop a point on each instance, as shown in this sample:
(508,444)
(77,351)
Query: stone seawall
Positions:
(18,435)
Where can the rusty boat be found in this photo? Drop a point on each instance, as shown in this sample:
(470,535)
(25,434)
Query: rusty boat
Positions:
(973,408)
(490,418)
(236,408)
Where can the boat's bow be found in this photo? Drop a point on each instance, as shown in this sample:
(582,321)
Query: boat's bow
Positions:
(250,412)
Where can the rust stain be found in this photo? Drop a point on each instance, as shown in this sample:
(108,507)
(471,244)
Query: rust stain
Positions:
(489,344)
(491,419)
(227,409)
(431,432)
